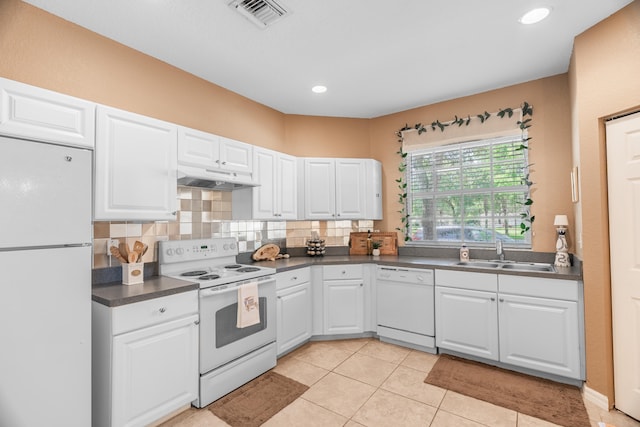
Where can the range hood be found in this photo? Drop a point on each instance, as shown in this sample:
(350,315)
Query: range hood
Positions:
(214,180)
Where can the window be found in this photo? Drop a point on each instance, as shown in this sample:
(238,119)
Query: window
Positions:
(469,192)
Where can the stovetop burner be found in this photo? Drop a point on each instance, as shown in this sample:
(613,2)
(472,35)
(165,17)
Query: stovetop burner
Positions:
(232,266)
(194,273)
(209,277)
(247,269)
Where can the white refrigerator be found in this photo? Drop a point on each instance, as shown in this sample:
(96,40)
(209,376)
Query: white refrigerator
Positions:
(45,284)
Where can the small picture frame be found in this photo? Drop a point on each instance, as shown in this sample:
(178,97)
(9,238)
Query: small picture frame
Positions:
(575,185)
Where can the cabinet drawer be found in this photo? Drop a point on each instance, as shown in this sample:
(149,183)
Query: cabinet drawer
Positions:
(467,280)
(146,313)
(337,272)
(291,278)
(540,287)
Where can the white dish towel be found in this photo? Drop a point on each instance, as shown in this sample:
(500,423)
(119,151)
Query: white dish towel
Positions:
(248,306)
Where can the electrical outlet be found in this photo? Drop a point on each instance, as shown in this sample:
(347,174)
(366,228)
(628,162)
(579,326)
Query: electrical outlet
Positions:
(112,242)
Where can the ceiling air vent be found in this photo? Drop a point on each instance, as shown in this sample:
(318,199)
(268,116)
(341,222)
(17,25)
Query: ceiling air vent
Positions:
(262,13)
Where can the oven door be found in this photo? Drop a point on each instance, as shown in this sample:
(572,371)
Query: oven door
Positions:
(220,340)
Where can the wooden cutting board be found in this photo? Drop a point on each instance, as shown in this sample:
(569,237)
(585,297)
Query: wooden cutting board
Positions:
(358,243)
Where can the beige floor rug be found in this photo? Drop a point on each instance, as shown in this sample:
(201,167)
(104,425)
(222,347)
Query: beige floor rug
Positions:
(258,400)
(554,402)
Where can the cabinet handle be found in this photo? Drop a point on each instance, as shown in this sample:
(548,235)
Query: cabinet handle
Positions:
(162,309)
(197,322)
(224,163)
(174,213)
(361,284)
(294,278)
(493,299)
(218,161)
(501,300)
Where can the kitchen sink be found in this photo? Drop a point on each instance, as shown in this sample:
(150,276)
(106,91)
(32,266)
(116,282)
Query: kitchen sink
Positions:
(479,264)
(528,267)
(508,265)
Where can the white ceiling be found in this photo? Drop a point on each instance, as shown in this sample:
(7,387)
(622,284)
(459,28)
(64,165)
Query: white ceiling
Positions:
(376,56)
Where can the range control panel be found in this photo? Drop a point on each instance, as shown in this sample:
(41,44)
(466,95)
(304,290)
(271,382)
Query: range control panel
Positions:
(172,251)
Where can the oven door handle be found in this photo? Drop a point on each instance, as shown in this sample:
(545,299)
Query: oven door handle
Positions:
(213,292)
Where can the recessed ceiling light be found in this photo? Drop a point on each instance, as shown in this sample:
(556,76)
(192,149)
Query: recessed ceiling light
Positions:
(319,89)
(535,15)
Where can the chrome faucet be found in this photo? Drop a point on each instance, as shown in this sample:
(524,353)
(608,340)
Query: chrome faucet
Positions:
(499,250)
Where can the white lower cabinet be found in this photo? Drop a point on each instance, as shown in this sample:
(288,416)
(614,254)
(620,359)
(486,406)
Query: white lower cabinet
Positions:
(343,299)
(145,360)
(294,309)
(467,322)
(538,329)
(530,322)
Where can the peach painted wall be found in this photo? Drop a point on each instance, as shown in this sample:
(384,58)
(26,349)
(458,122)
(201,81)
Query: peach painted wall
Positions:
(312,136)
(43,50)
(604,82)
(550,147)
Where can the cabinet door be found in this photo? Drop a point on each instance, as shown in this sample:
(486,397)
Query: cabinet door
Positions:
(294,316)
(467,321)
(373,192)
(236,156)
(350,188)
(197,148)
(155,371)
(540,334)
(264,196)
(343,307)
(319,189)
(286,187)
(135,167)
(43,115)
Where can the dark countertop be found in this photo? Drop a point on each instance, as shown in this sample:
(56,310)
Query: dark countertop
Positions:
(568,273)
(115,294)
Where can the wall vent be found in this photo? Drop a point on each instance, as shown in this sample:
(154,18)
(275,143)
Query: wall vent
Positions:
(262,13)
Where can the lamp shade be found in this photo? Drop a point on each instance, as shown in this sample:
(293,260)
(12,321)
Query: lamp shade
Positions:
(561,220)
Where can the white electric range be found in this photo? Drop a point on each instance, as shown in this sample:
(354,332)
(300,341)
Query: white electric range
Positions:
(230,355)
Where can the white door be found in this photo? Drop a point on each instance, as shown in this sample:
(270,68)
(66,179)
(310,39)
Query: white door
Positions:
(287,187)
(350,188)
(45,194)
(236,156)
(155,371)
(467,321)
(623,160)
(319,189)
(540,333)
(136,167)
(45,337)
(196,148)
(343,307)
(294,316)
(264,164)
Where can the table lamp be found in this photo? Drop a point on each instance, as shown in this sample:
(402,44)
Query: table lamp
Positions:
(562,248)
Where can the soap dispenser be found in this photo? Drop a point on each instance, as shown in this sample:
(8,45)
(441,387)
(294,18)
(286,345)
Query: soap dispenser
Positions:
(464,253)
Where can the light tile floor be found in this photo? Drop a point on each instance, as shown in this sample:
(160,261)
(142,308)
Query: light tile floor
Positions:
(365,382)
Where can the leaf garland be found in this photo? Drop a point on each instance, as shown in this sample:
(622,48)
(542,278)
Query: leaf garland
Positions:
(527,113)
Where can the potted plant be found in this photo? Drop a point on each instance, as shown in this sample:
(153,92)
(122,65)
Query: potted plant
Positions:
(375,245)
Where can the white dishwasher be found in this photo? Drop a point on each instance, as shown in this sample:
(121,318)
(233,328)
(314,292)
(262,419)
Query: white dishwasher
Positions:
(405,306)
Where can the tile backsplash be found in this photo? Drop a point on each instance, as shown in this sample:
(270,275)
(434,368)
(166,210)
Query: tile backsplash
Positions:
(207,213)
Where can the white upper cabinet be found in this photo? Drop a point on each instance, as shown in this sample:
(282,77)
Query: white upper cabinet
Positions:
(276,196)
(214,153)
(236,156)
(373,192)
(135,167)
(39,114)
(197,148)
(342,189)
(319,191)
